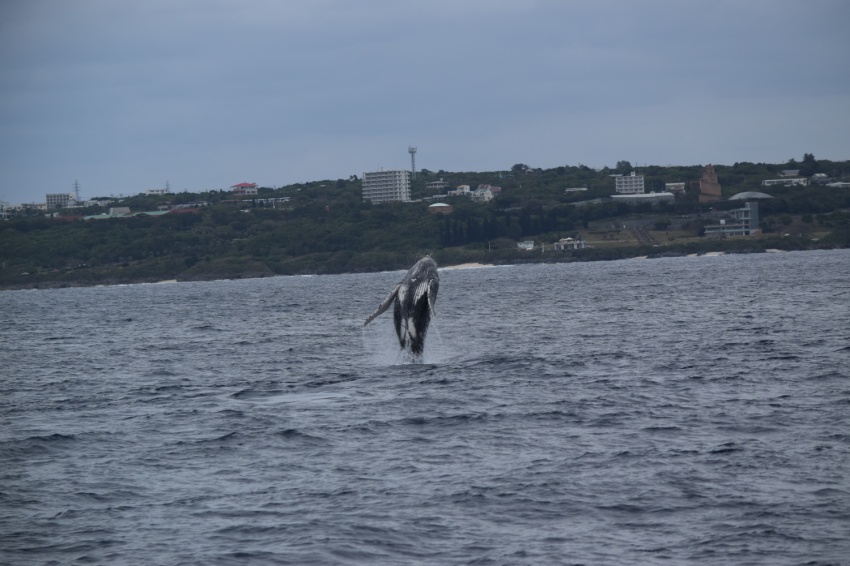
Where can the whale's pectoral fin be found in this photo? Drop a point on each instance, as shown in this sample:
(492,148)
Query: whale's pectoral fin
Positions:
(383,306)
(420,291)
(433,286)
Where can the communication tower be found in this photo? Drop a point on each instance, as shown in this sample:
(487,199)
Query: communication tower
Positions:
(412,151)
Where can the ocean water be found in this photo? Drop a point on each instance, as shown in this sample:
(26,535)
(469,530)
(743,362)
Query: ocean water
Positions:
(689,410)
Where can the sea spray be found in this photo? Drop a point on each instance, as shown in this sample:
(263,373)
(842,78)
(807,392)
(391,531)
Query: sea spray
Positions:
(380,345)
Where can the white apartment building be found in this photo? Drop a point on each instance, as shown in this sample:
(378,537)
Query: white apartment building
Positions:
(629,185)
(386,186)
(59,200)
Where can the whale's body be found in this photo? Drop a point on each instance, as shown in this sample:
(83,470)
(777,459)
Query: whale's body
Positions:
(413,301)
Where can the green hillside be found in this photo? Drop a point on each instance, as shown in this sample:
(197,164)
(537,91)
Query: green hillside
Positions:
(325,227)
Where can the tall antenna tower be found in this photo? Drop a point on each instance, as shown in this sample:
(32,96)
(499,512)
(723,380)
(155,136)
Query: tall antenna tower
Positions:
(412,151)
(76,191)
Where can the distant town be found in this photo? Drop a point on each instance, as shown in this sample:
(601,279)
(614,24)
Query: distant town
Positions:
(384,218)
(385,186)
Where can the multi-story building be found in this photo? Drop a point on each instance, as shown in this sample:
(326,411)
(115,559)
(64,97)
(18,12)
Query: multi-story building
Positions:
(481,195)
(707,187)
(436,185)
(59,200)
(244,189)
(629,185)
(744,222)
(386,186)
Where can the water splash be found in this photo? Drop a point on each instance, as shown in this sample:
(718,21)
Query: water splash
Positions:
(380,344)
(436,350)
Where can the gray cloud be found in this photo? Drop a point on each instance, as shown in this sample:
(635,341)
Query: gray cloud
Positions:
(124,96)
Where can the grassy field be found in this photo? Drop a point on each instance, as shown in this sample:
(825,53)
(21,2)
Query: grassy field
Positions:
(609,238)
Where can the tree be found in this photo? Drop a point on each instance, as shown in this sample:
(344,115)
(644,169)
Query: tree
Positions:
(809,166)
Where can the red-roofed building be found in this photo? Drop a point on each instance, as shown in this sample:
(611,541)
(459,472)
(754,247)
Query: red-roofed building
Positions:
(244,189)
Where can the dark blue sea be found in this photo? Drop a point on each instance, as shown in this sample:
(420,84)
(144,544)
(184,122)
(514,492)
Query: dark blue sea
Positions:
(691,410)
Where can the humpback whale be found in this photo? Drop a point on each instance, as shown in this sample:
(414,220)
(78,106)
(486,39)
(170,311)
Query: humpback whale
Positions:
(413,301)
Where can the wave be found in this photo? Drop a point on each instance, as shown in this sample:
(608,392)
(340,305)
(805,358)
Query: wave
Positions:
(291,435)
(34,445)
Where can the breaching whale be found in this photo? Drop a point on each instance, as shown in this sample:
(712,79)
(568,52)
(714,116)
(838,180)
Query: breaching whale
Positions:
(413,303)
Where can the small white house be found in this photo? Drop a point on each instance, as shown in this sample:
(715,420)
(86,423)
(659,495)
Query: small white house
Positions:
(569,244)
(481,195)
(440,208)
(436,185)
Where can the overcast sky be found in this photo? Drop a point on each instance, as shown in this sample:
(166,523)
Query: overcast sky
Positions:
(124,96)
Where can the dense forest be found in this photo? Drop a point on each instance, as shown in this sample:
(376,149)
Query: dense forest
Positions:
(326,227)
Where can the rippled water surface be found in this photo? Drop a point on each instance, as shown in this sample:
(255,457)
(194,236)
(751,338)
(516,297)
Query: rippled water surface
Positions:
(683,410)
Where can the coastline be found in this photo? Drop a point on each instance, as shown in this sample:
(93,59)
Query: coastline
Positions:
(472,265)
(46,285)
